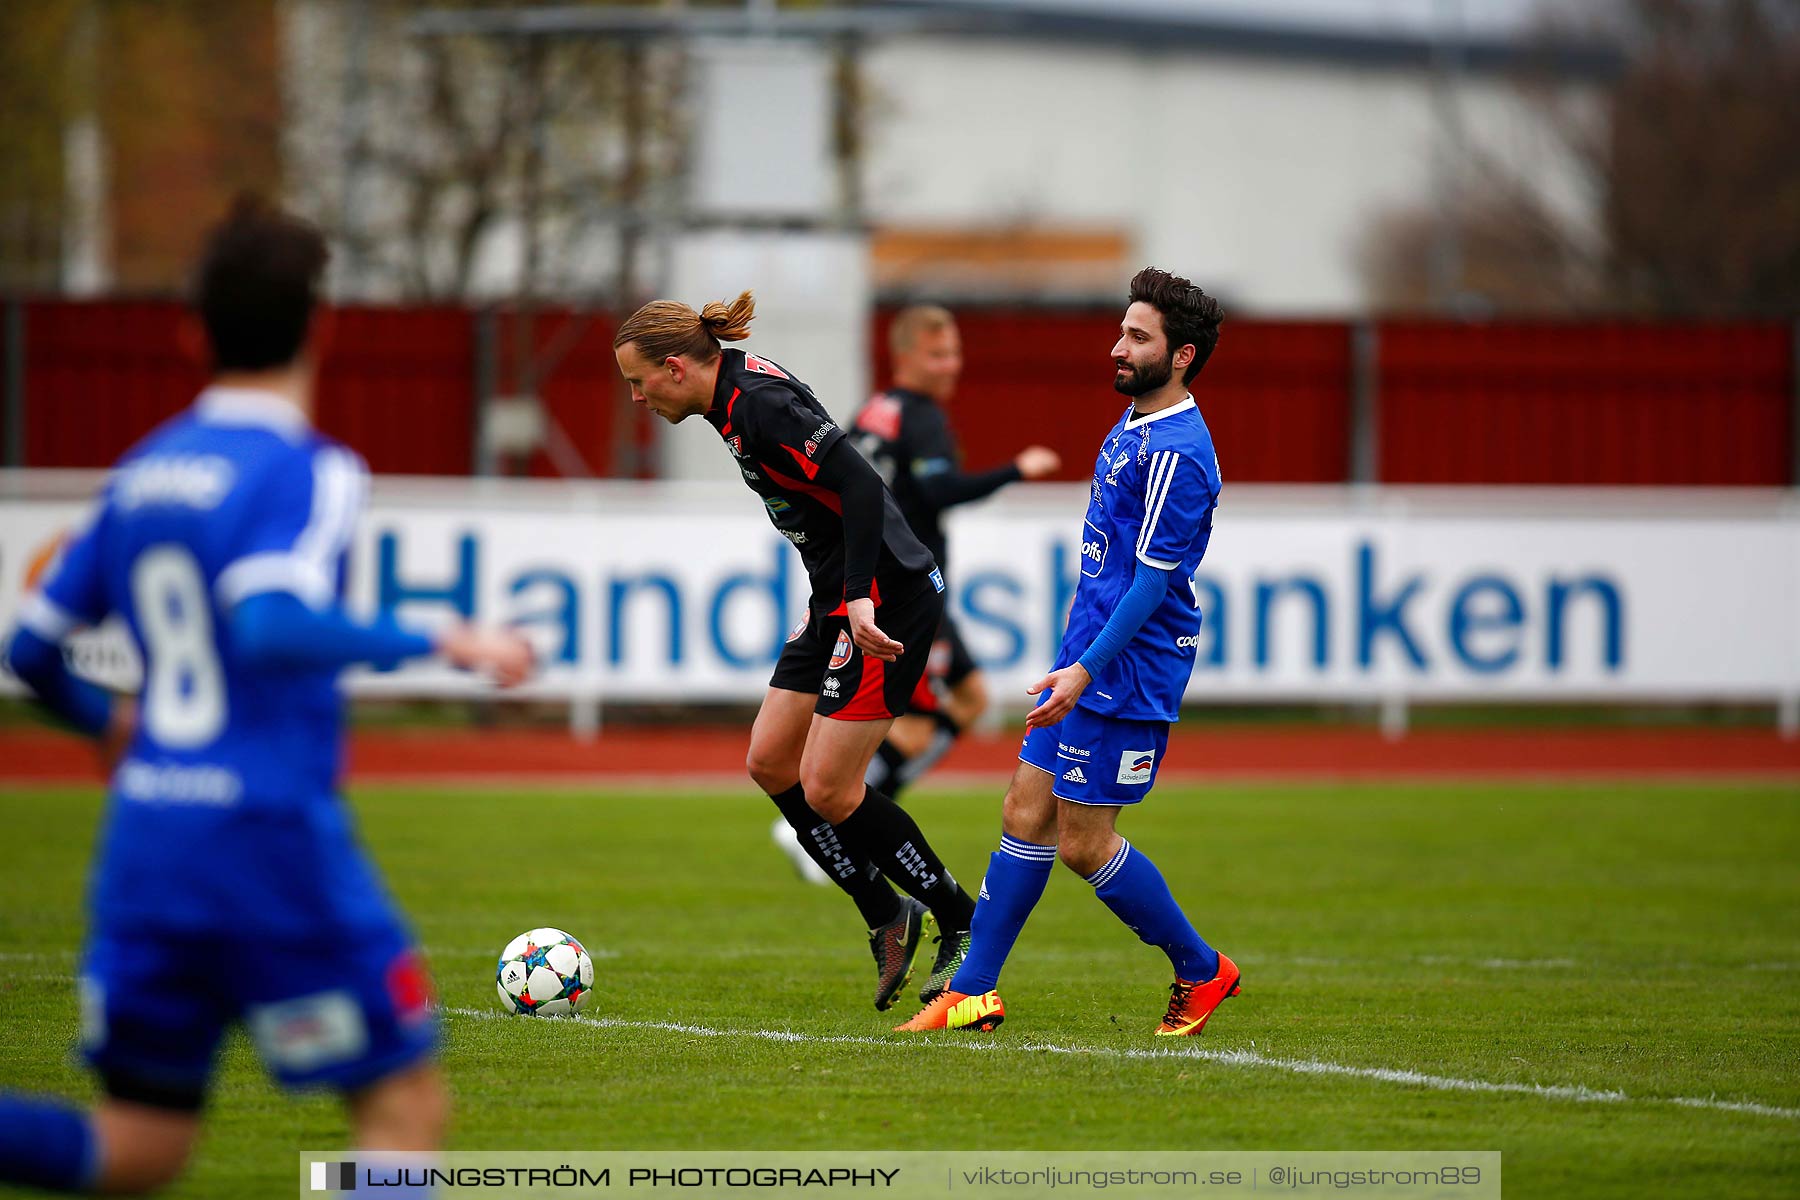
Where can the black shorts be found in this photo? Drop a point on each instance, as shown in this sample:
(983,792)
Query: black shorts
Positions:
(820,657)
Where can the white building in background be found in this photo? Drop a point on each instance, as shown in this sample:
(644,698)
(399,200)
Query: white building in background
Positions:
(1251,142)
(1005,149)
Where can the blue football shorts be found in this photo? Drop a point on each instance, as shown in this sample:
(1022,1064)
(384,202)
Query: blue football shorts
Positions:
(340,1012)
(1097,759)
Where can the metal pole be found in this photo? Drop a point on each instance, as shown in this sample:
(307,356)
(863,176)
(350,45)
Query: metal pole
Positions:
(487,386)
(1446,82)
(634,110)
(355,135)
(13,434)
(1365,403)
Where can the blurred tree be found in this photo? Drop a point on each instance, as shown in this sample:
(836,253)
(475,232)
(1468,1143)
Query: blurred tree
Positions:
(34,109)
(190,102)
(126,125)
(423,156)
(1691,165)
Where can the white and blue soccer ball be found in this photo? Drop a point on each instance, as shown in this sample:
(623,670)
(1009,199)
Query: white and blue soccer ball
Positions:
(545,973)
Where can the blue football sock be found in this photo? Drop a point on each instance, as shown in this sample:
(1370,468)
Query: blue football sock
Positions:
(46,1144)
(1016,875)
(1134,889)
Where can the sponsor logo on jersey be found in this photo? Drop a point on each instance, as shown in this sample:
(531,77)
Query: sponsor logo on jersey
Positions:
(1093,549)
(1074,775)
(200,784)
(1188,643)
(840,653)
(796,536)
(748,473)
(937,579)
(313,1031)
(776,504)
(1135,766)
(189,481)
(1068,751)
(800,627)
(830,690)
(735,444)
(818,435)
(763,366)
(812,447)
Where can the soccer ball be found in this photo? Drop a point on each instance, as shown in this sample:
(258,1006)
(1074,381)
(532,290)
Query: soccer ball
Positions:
(544,972)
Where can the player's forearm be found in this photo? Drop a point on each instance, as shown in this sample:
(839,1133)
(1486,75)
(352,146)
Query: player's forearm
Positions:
(69,698)
(276,629)
(1140,600)
(863,500)
(950,488)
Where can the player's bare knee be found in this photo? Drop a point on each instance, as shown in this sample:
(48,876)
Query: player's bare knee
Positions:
(972,699)
(910,735)
(409,1111)
(142,1149)
(773,773)
(1029,810)
(831,789)
(427,1119)
(831,798)
(146,1170)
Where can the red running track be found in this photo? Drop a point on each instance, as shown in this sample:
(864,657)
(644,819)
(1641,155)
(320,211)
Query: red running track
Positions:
(631,756)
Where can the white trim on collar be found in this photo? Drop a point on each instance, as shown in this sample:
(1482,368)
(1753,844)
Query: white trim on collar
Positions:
(250,406)
(1187,402)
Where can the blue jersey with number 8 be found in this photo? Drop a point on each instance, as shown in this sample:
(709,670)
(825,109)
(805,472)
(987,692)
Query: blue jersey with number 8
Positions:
(223,811)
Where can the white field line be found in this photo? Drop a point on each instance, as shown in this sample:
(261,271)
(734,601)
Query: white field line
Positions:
(1230,1058)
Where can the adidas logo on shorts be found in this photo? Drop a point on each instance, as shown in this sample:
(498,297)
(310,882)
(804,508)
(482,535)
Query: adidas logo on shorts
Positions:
(1074,775)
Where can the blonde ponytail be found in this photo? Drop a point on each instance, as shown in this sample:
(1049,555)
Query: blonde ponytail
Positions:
(668,328)
(730,322)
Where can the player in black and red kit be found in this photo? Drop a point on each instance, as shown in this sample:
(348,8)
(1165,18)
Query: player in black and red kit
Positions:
(841,678)
(905,432)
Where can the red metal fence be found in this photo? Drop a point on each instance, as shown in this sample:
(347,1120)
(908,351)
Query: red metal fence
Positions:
(1495,403)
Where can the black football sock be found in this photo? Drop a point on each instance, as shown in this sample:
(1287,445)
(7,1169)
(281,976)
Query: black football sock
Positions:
(884,832)
(942,738)
(855,875)
(884,768)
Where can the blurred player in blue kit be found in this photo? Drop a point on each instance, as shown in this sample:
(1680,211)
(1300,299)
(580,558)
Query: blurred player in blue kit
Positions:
(1096,739)
(230,885)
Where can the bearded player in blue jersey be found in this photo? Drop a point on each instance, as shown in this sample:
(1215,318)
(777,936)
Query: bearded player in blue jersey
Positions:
(230,886)
(1096,739)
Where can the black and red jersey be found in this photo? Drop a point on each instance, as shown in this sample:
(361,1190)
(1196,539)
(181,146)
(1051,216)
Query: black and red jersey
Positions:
(781,438)
(907,436)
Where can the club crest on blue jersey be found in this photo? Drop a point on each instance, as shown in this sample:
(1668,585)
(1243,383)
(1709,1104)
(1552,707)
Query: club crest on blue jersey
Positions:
(937,579)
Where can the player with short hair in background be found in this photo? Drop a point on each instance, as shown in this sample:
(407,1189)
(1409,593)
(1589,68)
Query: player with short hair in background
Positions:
(905,431)
(842,678)
(220,540)
(1096,739)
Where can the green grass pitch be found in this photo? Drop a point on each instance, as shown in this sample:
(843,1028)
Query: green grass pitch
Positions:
(1638,940)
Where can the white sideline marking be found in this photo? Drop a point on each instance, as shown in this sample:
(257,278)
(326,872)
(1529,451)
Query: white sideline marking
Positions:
(1230,1058)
